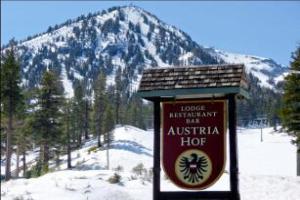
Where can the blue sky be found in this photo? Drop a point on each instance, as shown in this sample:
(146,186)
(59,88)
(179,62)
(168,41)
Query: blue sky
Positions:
(267,29)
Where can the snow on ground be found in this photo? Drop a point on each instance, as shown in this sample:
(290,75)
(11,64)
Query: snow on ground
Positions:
(267,170)
(30,158)
(274,156)
(131,147)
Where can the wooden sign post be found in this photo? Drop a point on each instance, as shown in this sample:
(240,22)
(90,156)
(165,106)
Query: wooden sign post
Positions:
(191,124)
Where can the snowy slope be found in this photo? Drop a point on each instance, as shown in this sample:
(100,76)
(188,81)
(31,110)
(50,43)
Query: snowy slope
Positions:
(265,69)
(267,170)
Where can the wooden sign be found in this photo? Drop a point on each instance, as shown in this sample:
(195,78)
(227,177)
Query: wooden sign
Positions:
(194,142)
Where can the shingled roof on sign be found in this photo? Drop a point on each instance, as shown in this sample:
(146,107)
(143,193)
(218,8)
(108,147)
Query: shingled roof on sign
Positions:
(208,79)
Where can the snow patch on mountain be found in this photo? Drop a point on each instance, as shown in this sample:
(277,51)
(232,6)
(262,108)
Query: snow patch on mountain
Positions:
(281,77)
(266,70)
(68,87)
(47,38)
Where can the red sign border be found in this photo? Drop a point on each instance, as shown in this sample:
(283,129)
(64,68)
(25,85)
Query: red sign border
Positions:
(225,103)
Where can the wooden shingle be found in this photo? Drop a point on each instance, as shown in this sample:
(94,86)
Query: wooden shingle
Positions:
(193,77)
(173,79)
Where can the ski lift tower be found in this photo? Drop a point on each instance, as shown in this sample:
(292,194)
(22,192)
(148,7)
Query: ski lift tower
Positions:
(193,106)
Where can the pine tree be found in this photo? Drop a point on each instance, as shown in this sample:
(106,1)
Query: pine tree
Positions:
(73,123)
(10,99)
(118,92)
(291,102)
(79,111)
(141,116)
(22,137)
(86,117)
(67,130)
(99,105)
(136,112)
(24,141)
(108,127)
(47,122)
(86,110)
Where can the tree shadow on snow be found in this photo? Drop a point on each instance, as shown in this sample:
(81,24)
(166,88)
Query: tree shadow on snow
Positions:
(131,146)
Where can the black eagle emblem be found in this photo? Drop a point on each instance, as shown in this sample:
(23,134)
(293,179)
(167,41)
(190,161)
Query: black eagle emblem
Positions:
(193,167)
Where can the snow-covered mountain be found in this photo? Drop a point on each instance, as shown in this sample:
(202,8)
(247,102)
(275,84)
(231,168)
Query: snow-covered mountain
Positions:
(127,37)
(265,69)
(263,165)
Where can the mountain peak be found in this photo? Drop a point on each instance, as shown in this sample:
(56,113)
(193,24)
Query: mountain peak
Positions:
(126,37)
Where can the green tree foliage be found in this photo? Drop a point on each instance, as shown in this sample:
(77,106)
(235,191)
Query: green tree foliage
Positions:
(109,123)
(290,112)
(87,109)
(79,114)
(136,114)
(291,98)
(47,122)
(108,127)
(67,130)
(110,26)
(118,94)
(99,105)
(10,99)
(22,138)
(73,120)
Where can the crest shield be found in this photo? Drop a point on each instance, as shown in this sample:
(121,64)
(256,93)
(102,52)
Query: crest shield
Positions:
(194,142)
